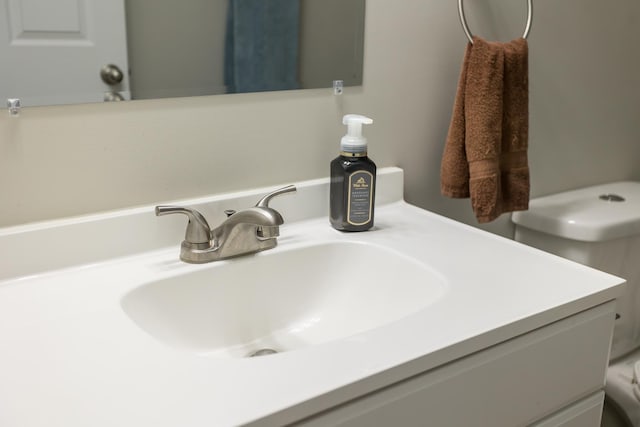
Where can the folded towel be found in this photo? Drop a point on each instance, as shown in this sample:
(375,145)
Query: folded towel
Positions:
(485,156)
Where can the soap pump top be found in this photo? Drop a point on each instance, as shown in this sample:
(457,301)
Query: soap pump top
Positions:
(353,143)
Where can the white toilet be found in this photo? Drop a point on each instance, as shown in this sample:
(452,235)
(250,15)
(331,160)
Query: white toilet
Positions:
(599,227)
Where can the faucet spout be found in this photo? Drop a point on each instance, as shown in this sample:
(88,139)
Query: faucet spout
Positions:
(268,232)
(250,230)
(256,215)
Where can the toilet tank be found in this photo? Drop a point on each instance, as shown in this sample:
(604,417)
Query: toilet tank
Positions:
(600,227)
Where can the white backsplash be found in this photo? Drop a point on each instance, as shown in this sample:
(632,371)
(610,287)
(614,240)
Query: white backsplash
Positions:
(56,244)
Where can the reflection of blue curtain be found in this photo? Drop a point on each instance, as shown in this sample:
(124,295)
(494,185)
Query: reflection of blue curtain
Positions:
(261,51)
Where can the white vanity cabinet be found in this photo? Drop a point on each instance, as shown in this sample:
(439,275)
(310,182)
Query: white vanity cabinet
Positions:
(550,377)
(488,332)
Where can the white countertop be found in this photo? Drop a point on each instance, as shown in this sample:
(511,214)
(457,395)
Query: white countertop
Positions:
(70,356)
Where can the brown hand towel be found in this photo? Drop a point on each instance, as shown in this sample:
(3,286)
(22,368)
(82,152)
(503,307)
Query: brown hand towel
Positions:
(485,156)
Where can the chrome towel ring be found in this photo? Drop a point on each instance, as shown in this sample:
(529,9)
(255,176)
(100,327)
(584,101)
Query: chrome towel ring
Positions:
(465,27)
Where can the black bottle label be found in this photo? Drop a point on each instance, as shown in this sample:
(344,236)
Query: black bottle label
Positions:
(359,198)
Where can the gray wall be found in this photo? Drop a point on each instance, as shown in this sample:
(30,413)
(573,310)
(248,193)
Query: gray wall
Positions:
(585,93)
(159,64)
(331,33)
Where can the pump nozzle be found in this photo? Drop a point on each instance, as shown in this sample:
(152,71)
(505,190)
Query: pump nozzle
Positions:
(353,141)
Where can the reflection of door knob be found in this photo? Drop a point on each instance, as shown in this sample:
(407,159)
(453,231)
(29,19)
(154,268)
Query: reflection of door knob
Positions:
(111,74)
(113,97)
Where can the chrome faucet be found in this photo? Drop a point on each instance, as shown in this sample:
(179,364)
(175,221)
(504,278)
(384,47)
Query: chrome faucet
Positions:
(244,232)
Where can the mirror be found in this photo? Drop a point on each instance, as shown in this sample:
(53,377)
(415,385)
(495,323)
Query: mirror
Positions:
(174,49)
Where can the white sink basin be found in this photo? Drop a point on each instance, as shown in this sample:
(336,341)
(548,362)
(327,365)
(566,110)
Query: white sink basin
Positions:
(284,300)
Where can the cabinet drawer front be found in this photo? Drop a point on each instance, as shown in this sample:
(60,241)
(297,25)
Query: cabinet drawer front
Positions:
(586,413)
(510,384)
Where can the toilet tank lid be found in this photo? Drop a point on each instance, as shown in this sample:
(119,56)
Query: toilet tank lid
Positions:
(589,214)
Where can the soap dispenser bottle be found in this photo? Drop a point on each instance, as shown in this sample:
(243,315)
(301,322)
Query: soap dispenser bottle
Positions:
(353,180)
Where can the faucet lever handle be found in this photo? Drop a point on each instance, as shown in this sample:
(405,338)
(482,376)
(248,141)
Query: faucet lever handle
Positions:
(198,230)
(264,202)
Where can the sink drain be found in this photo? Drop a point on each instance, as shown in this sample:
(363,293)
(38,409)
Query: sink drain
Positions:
(611,198)
(262,352)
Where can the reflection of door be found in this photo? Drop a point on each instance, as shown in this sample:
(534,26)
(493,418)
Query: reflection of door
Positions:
(52,50)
